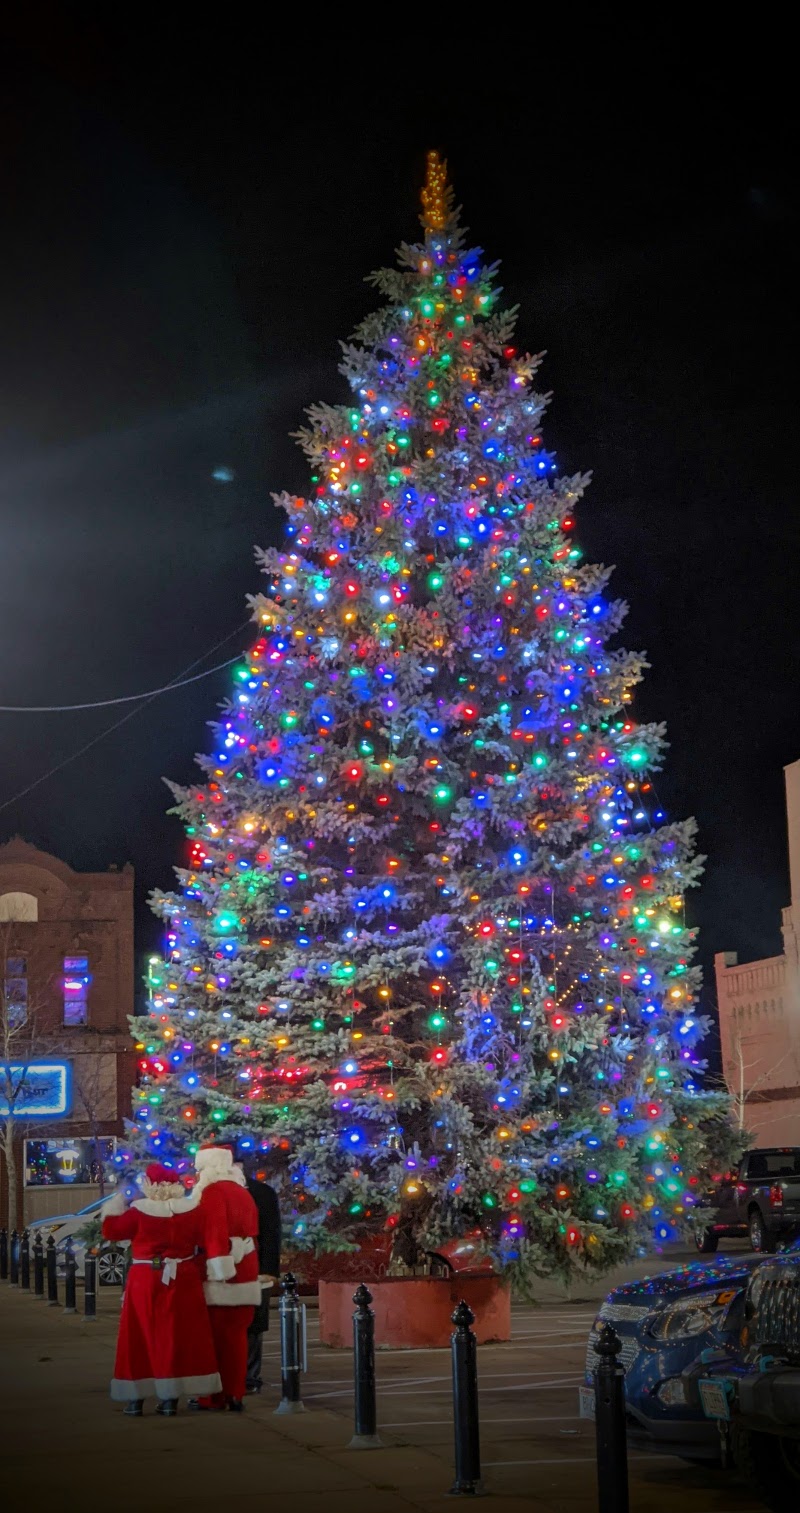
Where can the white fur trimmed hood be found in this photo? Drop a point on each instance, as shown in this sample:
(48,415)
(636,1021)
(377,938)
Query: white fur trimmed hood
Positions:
(155,1208)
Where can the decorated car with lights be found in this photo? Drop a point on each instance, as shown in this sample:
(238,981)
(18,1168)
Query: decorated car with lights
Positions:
(753,1401)
(666,1323)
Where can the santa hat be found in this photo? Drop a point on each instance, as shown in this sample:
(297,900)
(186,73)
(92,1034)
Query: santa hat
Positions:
(215,1163)
(214,1158)
(157,1172)
(161,1183)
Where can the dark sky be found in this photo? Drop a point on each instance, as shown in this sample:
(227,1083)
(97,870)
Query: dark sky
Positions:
(186,229)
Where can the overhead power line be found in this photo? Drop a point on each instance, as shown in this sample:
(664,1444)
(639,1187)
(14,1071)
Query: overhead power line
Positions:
(179,682)
(127,698)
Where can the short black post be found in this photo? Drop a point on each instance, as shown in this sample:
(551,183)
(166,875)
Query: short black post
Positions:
(365,1436)
(69,1281)
(292,1326)
(25,1261)
(3,1255)
(13,1259)
(90,1286)
(38,1265)
(464,1348)
(612,1450)
(52,1272)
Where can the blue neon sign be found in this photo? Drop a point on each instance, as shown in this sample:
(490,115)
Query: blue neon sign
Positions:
(35,1089)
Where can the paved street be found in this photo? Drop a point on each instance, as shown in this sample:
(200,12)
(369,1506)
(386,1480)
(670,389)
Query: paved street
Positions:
(67,1445)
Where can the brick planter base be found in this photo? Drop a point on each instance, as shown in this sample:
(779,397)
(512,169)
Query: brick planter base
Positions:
(413,1313)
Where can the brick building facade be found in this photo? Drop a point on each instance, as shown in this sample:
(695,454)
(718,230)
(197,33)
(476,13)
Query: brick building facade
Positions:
(759,1014)
(67,968)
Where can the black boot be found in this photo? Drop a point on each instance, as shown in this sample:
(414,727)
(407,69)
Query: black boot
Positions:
(133,1409)
(167,1407)
(235,1405)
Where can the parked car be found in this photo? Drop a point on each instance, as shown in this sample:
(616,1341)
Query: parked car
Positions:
(665,1323)
(760,1198)
(111,1258)
(755,1400)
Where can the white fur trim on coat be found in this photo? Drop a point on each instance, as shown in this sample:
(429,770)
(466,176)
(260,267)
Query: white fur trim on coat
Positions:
(163,1208)
(220,1268)
(123,1391)
(232,1294)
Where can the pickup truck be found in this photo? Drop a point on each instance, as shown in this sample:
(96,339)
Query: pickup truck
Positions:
(759,1198)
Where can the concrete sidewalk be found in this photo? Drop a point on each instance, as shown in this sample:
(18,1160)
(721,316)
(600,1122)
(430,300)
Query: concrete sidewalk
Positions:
(67,1447)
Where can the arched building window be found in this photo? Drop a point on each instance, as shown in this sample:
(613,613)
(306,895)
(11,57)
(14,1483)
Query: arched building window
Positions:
(21,908)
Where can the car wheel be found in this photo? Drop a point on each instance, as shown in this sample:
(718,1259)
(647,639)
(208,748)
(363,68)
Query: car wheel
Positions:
(111,1268)
(706,1241)
(760,1237)
(771,1465)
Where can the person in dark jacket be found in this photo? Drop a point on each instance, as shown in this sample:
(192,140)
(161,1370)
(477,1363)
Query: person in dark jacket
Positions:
(269,1264)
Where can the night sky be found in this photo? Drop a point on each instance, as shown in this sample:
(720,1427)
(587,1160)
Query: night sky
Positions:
(186,230)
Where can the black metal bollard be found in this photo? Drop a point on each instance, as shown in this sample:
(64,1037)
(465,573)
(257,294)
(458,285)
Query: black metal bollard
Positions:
(69,1281)
(38,1265)
(25,1261)
(3,1256)
(292,1316)
(90,1286)
(52,1272)
(365,1436)
(612,1450)
(13,1259)
(464,1349)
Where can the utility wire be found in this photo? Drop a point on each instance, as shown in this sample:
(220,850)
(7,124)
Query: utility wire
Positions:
(128,698)
(179,682)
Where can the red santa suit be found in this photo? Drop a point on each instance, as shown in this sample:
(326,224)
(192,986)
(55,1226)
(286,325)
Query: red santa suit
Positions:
(165,1346)
(232,1289)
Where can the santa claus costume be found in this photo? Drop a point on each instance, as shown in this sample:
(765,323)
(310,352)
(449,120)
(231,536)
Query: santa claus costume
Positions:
(232,1289)
(165,1346)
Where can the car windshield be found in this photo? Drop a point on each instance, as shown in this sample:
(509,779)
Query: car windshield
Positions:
(766,1166)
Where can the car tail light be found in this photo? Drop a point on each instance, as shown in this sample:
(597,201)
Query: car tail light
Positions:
(776,1196)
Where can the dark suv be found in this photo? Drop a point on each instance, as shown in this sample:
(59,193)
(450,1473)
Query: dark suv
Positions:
(761,1198)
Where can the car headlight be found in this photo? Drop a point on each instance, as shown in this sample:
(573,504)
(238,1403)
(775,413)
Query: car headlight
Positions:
(691,1316)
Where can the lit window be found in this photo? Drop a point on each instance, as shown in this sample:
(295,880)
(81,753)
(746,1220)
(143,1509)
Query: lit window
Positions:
(76,989)
(15,991)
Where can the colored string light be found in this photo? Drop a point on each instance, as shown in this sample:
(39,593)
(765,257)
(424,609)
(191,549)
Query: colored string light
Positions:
(429,948)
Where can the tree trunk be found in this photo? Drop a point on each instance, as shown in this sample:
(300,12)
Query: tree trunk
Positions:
(101,1168)
(9,1151)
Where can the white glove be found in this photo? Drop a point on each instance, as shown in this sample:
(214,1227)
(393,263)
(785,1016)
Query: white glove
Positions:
(114,1206)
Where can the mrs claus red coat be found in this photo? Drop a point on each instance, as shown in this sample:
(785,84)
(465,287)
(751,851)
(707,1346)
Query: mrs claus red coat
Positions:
(165,1345)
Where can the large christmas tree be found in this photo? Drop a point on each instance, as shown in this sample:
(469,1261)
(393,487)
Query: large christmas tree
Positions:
(430,945)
